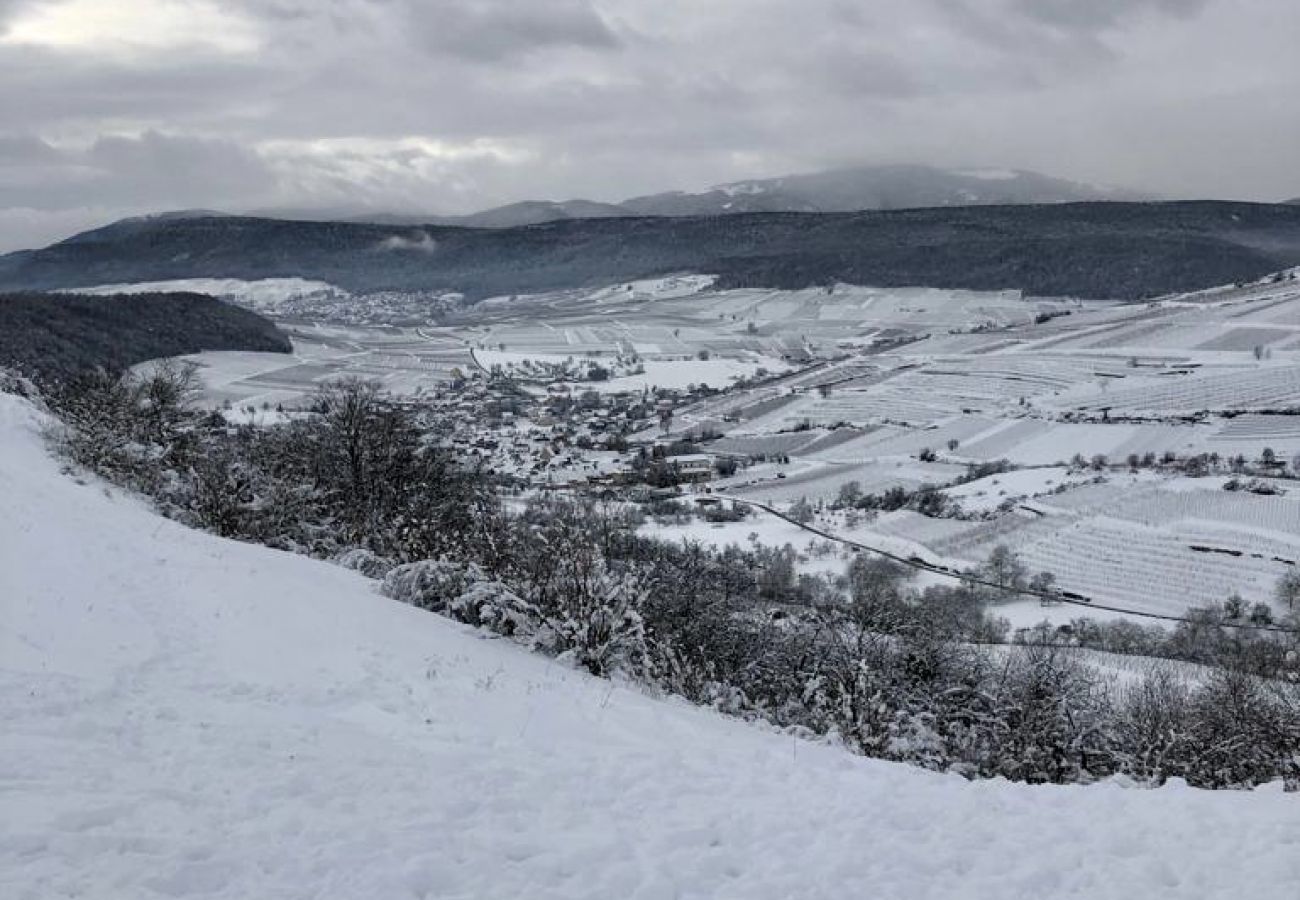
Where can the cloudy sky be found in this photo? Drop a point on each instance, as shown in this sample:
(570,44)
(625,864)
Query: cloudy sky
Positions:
(118,107)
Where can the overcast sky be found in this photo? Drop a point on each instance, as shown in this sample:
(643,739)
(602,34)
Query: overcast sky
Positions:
(117,107)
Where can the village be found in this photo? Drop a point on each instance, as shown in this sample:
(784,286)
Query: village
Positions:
(567,436)
(1145,455)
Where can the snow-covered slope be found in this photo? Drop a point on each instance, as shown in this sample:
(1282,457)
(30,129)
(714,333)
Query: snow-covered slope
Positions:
(186,716)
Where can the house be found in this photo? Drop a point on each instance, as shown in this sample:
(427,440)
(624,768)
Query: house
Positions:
(693,466)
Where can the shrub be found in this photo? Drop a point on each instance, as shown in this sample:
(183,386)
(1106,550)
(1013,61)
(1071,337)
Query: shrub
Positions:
(431,584)
(369,564)
(492,605)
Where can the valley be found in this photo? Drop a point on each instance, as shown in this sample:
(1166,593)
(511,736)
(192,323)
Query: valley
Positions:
(618,450)
(1142,454)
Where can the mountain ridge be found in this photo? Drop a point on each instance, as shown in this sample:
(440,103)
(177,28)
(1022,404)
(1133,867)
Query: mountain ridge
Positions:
(1110,250)
(848,189)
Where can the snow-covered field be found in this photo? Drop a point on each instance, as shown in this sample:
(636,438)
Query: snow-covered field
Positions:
(868,381)
(1215,374)
(671,373)
(403,361)
(184,716)
(265,295)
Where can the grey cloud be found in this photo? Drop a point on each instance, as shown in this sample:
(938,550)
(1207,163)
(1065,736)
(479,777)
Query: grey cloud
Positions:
(26,227)
(496,30)
(7,10)
(1096,15)
(869,74)
(154,170)
(26,150)
(612,98)
(1026,50)
(216,164)
(59,91)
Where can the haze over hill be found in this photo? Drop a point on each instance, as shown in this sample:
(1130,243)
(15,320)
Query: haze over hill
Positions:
(838,190)
(1092,250)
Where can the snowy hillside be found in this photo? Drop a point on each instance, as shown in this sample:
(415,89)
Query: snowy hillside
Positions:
(186,716)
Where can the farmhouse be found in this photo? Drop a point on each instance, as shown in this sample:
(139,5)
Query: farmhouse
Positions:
(693,466)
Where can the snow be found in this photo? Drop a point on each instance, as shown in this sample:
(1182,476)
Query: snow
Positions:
(987,494)
(674,374)
(762,529)
(258,292)
(184,716)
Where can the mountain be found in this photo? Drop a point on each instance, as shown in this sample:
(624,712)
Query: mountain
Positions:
(191,716)
(840,190)
(876,187)
(528,212)
(1112,250)
(53,335)
(534,213)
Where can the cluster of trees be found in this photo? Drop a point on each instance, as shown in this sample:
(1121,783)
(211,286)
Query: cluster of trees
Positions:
(56,335)
(1232,634)
(1211,635)
(357,471)
(887,669)
(928,500)
(1198,465)
(870,659)
(1110,251)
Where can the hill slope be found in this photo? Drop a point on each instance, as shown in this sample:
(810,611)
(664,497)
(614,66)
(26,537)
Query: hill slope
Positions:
(182,715)
(57,334)
(1100,250)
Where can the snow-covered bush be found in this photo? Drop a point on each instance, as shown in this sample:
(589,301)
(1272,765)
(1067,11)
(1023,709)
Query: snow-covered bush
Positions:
(431,584)
(492,605)
(1052,717)
(1245,732)
(598,625)
(367,562)
(463,592)
(888,669)
(13,383)
(1152,726)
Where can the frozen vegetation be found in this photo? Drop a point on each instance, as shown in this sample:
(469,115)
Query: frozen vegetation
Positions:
(194,716)
(679,541)
(1157,411)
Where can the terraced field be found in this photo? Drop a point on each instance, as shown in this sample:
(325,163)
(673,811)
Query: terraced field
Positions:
(1148,568)
(1264,387)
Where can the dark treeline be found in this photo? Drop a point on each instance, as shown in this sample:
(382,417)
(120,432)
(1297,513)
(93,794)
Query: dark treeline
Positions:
(868,658)
(1100,250)
(56,335)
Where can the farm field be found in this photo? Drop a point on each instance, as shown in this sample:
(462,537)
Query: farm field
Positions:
(896,390)
(404,361)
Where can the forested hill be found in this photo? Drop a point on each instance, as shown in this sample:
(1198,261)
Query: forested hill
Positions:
(1097,250)
(52,335)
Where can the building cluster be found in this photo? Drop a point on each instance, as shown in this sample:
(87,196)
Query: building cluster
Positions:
(562,436)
